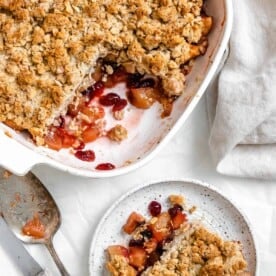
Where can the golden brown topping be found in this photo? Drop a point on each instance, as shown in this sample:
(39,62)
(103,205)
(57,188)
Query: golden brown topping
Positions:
(118,115)
(118,266)
(117,133)
(199,252)
(49,46)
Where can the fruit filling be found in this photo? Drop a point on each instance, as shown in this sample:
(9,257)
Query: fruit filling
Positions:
(34,228)
(148,238)
(85,120)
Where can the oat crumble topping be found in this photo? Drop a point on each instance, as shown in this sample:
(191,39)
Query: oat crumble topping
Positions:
(120,267)
(199,252)
(48,47)
(118,133)
(118,115)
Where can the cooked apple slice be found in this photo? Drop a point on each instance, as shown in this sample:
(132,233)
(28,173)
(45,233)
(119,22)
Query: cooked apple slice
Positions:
(178,219)
(133,221)
(137,257)
(143,97)
(117,250)
(150,245)
(161,228)
(90,134)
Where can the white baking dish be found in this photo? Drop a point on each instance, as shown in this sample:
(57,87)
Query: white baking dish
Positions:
(148,133)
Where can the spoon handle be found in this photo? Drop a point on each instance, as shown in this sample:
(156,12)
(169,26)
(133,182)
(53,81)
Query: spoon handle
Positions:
(56,258)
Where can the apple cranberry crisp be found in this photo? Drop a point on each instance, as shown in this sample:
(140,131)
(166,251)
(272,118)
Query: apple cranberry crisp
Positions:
(47,48)
(168,244)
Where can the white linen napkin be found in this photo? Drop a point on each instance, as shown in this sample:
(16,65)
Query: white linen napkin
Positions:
(242,103)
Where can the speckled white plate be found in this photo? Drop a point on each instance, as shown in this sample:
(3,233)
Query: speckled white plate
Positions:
(216,211)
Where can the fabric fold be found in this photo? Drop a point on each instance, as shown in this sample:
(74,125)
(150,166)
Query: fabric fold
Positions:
(242,104)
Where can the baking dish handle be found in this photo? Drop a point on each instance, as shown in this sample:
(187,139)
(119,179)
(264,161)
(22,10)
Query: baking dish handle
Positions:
(15,157)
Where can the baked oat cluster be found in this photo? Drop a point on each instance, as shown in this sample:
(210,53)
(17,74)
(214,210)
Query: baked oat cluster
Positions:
(197,251)
(47,47)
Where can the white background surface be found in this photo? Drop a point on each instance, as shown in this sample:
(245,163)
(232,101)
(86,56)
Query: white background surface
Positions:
(83,201)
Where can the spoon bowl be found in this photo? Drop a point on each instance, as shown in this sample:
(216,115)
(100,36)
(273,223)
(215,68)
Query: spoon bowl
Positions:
(24,201)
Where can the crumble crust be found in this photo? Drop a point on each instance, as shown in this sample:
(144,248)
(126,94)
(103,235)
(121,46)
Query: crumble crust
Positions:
(197,251)
(117,133)
(119,266)
(47,47)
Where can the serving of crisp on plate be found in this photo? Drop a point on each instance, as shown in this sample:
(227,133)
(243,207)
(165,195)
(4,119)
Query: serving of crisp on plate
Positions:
(220,235)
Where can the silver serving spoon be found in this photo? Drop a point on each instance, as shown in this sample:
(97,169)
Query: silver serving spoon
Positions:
(23,200)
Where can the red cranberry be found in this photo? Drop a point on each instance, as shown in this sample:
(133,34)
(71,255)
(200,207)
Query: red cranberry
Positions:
(121,104)
(146,83)
(119,75)
(79,145)
(133,80)
(134,242)
(154,208)
(173,211)
(105,167)
(109,99)
(94,90)
(86,155)
(98,89)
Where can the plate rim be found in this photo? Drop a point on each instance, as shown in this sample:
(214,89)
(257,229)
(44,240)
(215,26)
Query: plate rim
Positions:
(156,181)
